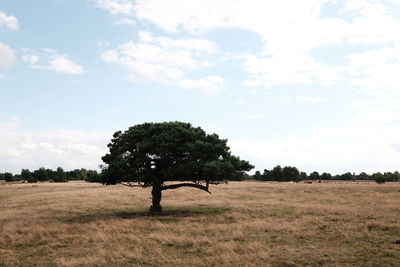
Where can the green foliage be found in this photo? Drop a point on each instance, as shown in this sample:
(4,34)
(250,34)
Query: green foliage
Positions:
(92,176)
(41,175)
(303,176)
(379,178)
(276,173)
(26,175)
(290,174)
(346,176)
(169,151)
(362,176)
(325,176)
(8,177)
(60,175)
(314,176)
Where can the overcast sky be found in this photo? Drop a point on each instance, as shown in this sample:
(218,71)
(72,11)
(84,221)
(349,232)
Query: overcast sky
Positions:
(313,84)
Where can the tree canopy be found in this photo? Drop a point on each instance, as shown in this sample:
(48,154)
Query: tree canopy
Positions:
(151,154)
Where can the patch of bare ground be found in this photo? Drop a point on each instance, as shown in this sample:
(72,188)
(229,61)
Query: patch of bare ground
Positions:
(240,224)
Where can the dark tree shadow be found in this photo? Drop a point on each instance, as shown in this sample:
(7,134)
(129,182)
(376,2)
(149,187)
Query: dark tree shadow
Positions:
(170,214)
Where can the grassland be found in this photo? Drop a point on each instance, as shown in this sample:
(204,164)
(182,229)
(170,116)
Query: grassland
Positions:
(240,224)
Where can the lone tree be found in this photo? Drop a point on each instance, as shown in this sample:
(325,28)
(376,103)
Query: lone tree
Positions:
(151,154)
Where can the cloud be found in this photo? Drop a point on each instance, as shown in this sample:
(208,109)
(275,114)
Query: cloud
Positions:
(32,59)
(288,34)
(61,64)
(9,22)
(70,149)
(250,116)
(124,21)
(376,71)
(368,140)
(166,60)
(313,99)
(210,84)
(55,62)
(289,31)
(49,50)
(117,7)
(110,56)
(7,56)
(288,68)
(329,149)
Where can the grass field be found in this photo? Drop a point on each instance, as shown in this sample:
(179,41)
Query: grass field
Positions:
(240,224)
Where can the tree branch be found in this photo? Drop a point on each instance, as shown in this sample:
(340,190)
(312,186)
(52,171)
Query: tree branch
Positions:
(174,186)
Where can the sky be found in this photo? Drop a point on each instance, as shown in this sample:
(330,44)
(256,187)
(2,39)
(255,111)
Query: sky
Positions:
(313,84)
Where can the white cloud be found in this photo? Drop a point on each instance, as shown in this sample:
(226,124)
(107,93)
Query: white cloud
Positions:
(2,76)
(288,68)
(32,59)
(70,149)
(209,84)
(61,64)
(334,149)
(7,56)
(314,99)
(376,70)
(288,34)
(194,45)
(110,56)
(289,31)
(369,140)
(146,37)
(10,22)
(117,7)
(125,21)
(55,62)
(49,50)
(250,116)
(167,60)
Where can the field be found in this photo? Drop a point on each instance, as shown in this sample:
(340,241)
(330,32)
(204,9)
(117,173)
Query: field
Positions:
(240,224)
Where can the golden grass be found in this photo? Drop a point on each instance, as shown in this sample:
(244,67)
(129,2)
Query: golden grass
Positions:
(240,224)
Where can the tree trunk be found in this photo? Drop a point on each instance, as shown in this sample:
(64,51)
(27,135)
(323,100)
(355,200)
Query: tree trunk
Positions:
(156,199)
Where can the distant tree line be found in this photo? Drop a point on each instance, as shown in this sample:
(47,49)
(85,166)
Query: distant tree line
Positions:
(278,173)
(43,174)
(289,173)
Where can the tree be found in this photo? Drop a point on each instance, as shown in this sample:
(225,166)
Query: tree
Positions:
(290,174)
(266,176)
(8,177)
(326,176)
(276,173)
(26,175)
(363,176)
(314,175)
(303,175)
(92,176)
(346,176)
(396,176)
(257,175)
(41,174)
(150,154)
(379,178)
(60,175)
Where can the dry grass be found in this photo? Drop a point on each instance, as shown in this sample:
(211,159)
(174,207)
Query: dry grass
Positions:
(240,224)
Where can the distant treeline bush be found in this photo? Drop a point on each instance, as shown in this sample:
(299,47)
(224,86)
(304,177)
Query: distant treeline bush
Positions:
(285,174)
(288,173)
(43,174)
